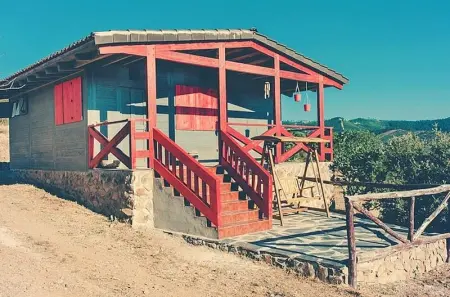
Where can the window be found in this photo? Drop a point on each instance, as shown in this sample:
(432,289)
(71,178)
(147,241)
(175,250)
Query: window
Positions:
(68,103)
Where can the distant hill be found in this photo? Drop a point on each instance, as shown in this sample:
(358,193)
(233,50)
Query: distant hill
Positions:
(385,128)
(381,126)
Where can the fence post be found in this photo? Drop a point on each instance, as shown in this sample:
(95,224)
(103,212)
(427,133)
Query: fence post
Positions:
(412,204)
(90,147)
(448,239)
(132,130)
(352,269)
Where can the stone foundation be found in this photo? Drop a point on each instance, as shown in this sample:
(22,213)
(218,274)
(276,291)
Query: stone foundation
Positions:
(122,194)
(403,265)
(321,270)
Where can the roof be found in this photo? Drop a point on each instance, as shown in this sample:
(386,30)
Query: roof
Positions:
(165,36)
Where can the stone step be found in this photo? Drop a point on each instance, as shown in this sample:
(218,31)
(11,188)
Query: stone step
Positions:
(235,217)
(230,196)
(243,228)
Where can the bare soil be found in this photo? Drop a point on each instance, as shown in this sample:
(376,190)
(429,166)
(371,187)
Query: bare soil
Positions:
(53,247)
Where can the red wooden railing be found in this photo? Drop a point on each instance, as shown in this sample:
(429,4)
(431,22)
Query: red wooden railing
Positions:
(325,150)
(248,173)
(110,146)
(198,185)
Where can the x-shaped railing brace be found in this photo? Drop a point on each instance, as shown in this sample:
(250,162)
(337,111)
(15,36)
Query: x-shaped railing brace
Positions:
(110,146)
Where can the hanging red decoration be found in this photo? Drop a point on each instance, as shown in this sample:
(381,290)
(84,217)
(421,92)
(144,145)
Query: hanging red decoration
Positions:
(297,94)
(307,105)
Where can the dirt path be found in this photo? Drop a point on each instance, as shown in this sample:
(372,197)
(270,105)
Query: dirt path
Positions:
(51,247)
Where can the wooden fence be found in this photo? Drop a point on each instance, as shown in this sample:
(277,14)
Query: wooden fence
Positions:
(414,238)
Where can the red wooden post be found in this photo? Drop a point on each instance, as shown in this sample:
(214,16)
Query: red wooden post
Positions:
(321,117)
(132,144)
(277,106)
(151,100)
(90,147)
(222,90)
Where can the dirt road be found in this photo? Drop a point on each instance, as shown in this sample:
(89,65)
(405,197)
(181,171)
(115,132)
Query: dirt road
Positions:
(52,247)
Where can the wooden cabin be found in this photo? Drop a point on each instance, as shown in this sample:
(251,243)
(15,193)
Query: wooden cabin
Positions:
(174,101)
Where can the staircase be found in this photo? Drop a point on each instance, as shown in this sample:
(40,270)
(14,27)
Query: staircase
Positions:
(239,215)
(211,196)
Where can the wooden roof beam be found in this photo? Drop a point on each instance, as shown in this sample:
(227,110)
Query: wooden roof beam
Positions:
(66,66)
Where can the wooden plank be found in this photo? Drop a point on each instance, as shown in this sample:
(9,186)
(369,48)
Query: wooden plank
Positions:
(222,90)
(352,265)
(132,144)
(110,147)
(379,223)
(277,107)
(151,100)
(187,59)
(186,193)
(321,117)
(137,50)
(430,219)
(401,194)
(298,76)
(248,68)
(390,251)
(59,105)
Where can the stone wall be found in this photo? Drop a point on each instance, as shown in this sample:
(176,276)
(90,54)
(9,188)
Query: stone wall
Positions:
(405,264)
(288,173)
(122,194)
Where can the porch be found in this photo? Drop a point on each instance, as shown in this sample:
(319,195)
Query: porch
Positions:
(216,113)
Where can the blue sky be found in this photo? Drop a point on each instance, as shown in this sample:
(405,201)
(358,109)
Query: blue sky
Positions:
(395,53)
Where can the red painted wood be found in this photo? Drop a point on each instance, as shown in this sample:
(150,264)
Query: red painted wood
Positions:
(223,116)
(137,50)
(132,143)
(77,97)
(263,199)
(187,193)
(141,154)
(195,108)
(59,105)
(299,76)
(321,117)
(277,106)
(187,59)
(109,146)
(200,174)
(151,99)
(202,45)
(248,68)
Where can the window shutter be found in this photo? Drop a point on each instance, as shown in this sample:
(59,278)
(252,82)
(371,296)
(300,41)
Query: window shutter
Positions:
(59,107)
(77,110)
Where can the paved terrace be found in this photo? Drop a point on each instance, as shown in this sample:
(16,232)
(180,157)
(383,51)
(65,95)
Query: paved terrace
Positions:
(313,237)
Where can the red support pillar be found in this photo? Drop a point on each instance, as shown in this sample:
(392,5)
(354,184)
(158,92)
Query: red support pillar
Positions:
(321,116)
(222,90)
(277,105)
(151,100)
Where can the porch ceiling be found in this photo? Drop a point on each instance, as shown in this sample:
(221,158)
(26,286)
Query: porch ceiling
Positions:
(85,52)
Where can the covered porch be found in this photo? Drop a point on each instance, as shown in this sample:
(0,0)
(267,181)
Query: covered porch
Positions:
(237,91)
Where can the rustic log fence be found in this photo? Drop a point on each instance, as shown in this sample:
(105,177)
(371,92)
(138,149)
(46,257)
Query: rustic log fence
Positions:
(414,237)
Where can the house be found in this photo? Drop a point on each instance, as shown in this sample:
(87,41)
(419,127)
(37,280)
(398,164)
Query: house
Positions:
(182,104)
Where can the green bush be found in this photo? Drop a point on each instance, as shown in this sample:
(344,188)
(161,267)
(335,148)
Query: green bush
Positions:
(363,156)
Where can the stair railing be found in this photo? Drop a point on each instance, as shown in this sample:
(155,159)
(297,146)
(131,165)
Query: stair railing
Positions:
(193,181)
(248,173)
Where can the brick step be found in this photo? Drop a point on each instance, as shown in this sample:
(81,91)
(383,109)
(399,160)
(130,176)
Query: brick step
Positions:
(244,228)
(230,196)
(234,205)
(234,217)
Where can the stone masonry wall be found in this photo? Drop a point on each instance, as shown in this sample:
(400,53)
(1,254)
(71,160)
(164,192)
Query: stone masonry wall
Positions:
(404,264)
(288,173)
(122,194)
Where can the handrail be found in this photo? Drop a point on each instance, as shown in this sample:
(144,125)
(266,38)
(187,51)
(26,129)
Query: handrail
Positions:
(273,125)
(193,181)
(248,173)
